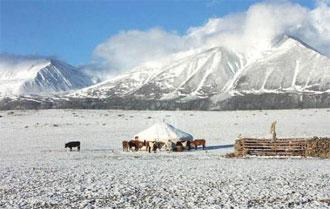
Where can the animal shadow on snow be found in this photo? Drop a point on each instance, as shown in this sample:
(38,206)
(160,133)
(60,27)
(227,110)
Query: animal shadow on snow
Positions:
(215,147)
(81,150)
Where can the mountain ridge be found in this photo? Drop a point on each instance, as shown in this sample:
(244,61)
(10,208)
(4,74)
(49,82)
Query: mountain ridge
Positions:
(39,76)
(288,75)
(230,69)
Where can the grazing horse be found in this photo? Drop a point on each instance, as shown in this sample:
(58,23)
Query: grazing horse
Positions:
(73,144)
(198,142)
(137,144)
(125,146)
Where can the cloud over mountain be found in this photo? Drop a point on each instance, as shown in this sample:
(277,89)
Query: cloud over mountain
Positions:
(129,48)
(250,32)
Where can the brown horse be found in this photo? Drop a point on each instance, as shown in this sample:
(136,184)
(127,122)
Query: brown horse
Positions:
(137,144)
(125,146)
(198,142)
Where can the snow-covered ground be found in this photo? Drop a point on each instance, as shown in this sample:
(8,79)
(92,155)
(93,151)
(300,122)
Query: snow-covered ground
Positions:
(37,172)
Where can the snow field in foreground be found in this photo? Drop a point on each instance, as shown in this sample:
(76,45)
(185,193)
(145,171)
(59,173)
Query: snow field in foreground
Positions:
(37,172)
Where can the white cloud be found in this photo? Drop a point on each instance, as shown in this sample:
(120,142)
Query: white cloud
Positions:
(127,49)
(254,30)
(316,28)
(248,32)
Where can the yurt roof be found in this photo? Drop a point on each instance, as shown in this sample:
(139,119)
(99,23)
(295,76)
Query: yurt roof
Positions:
(163,132)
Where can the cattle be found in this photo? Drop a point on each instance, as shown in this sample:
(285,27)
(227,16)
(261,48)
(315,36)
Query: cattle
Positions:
(73,144)
(198,142)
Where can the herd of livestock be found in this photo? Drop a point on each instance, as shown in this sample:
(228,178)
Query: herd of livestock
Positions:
(136,145)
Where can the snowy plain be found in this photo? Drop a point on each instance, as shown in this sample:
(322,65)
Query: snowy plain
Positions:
(37,172)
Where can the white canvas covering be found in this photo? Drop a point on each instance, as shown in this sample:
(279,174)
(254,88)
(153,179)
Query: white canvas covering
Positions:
(164,132)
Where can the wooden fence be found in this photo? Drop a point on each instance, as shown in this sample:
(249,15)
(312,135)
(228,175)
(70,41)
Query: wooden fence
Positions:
(314,147)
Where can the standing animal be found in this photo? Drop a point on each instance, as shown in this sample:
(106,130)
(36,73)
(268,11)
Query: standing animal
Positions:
(153,145)
(179,147)
(125,146)
(170,146)
(73,144)
(189,145)
(198,142)
(136,144)
(186,145)
(160,145)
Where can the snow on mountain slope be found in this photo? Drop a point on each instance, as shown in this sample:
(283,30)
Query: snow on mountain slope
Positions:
(198,74)
(290,67)
(118,86)
(289,75)
(40,76)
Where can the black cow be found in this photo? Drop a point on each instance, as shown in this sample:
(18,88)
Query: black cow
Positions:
(73,144)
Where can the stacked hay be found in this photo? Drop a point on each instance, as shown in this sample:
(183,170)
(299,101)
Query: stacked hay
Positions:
(318,147)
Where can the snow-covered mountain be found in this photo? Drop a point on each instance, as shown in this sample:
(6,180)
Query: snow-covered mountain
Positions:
(288,75)
(199,75)
(290,66)
(38,76)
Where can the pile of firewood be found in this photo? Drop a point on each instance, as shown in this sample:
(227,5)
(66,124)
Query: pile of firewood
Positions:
(306,147)
(318,147)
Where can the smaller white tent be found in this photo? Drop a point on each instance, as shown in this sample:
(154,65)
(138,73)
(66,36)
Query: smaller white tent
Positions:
(163,132)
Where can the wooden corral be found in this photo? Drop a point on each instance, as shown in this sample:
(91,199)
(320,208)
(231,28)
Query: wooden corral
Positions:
(307,147)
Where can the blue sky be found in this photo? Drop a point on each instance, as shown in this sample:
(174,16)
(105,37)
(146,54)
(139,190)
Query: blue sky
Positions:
(70,30)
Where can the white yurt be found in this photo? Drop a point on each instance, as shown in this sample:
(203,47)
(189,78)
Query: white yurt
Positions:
(163,132)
